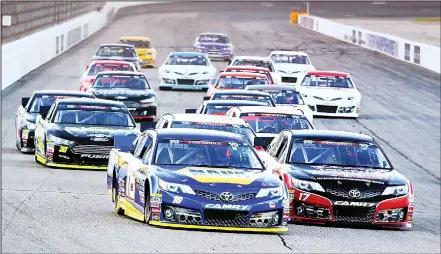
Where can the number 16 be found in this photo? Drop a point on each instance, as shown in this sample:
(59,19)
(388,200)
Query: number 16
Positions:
(304,196)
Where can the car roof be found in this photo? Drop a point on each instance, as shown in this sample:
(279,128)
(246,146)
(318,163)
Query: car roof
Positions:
(111,62)
(270,110)
(247,67)
(234,103)
(209,33)
(243,74)
(328,73)
(187,54)
(135,38)
(332,135)
(90,101)
(241,92)
(257,58)
(199,134)
(207,118)
(62,92)
(121,73)
(116,45)
(288,52)
(271,87)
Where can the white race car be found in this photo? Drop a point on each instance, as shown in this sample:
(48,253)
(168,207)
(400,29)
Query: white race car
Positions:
(257,61)
(292,66)
(329,93)
(186,70)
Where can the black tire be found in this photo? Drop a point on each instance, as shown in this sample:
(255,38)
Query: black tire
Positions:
(147,206)
(115,188)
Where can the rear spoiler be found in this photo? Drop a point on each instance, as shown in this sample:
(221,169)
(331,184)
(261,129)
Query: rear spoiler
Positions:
(262,141)
(124,143)
(190,111)
(147,126)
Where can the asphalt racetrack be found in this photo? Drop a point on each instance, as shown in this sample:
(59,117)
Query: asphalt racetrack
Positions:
(60,210)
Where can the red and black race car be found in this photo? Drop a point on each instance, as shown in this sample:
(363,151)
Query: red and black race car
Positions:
(339,177)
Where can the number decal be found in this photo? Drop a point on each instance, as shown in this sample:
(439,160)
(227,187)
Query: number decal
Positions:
(130,183)
(304,196)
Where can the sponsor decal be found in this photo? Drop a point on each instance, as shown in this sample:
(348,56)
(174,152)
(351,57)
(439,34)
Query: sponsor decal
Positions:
(409,218)
(156,210)
(227,206)
(155,199)
(284,223)
(157,195)
(99,139)
(407,51)
(383,44)
(99,135)
(416,54)
(348,203)
(62,149)
(272,205)
(155,204)
(219,175)
(95,156)
(141,197)
(177,200)
(155,217)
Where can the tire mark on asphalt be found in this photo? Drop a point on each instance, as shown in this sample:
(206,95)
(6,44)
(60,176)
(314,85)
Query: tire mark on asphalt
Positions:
(284,241)
(52,191)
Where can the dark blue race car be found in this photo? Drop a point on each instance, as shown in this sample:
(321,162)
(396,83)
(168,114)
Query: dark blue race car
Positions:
(202,179)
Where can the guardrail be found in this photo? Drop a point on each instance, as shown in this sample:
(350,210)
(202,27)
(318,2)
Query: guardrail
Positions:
(24,55)
(426,56)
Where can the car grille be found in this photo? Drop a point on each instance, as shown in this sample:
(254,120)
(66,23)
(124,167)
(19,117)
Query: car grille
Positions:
(212,196)
(92,149)
(225,218)
(326,109)
(131,104)
(185,81)
(362,215)
(345,193)
(289,79)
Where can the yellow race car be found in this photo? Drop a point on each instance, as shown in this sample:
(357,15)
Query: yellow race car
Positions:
(144,49)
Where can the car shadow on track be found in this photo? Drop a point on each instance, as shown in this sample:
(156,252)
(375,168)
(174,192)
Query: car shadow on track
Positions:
(348,226)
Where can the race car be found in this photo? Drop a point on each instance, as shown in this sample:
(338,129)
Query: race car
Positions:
(285,96)
(217,46)
(340,177)
(96,67)
(237,80)
(186,70)
(207,179)
(79,133)
(29,109)
(250,69)
(330,94)
(267,122)
(208,122)
(242,95)
(117,52)
(258,61)
(291,65)
(131,88)
(220,107)
(144,48)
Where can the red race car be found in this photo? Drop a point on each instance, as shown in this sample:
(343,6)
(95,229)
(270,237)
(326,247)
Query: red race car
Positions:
(96,67)
(237,80)
(339,177)
(251,69)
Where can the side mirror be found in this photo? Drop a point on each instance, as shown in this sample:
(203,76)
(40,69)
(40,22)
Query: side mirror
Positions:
(221,71)
(24,101)
(207,98)
(190,111)
(44,110)
(262,142)
(147,126)
(87,67)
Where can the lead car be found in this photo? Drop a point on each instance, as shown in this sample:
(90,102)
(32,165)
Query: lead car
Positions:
(203,179)
(340,177)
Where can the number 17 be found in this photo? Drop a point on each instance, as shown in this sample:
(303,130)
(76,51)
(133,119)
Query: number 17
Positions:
(304,196)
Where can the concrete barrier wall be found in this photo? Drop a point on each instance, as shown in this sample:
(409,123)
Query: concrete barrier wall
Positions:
(27,54)
(426,56)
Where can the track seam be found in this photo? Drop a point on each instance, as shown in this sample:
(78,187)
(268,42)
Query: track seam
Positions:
(283,241)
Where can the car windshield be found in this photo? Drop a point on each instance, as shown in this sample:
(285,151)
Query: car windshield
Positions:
(243,130)
(97,68)
(217,110)
(137,43)
(121,51)
(327,81)
(47,100)
(93,115)
(129,81)
(288,97)
(267,73)
(275,123)
(244,97)
(255,63)
(286,58)
(213,38)
(338,153)
(237,82)
(199,153)
(187,60)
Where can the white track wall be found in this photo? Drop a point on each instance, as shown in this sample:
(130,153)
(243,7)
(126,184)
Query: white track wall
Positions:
(27,54)
(426,56)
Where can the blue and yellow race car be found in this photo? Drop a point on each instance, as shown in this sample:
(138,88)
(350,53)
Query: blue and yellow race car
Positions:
(203,179)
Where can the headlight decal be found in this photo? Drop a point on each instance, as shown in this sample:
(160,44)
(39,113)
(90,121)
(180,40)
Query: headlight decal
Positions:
(307,185)
(270,192)
(396,190)
(175,188)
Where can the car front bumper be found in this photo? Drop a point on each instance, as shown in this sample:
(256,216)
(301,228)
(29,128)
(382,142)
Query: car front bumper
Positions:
(320,108)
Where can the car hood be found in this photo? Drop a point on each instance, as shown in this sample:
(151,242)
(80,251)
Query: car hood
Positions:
(293,68)
(186,69)
(213,44)
(123,94)
(319,172)
(327,92)
(218,178)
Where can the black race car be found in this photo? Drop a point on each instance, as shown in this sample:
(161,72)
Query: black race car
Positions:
(131,88)
(28,111)
(238,94)
(79,133)
(121,52)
